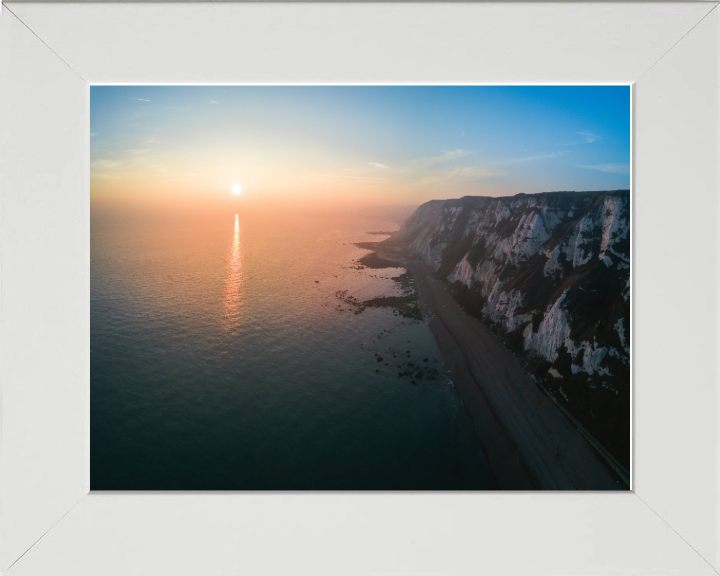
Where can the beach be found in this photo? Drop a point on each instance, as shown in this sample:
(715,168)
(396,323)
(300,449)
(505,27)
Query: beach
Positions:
(526,439)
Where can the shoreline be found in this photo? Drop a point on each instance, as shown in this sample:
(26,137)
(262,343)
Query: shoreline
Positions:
(527,441)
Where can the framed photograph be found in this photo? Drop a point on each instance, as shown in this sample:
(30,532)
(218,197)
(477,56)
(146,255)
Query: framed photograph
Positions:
(359,288)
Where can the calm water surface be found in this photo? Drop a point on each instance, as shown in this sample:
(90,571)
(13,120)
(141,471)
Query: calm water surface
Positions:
(222,359)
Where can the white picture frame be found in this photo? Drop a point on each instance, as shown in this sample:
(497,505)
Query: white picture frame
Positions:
(49,522)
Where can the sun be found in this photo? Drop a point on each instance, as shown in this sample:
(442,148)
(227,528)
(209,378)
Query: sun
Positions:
(236,189)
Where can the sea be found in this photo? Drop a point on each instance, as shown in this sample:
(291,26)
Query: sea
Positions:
(223,358)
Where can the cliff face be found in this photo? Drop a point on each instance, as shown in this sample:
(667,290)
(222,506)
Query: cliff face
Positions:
(550,274)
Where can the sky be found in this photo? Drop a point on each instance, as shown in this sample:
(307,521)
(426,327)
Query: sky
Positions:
(354,144)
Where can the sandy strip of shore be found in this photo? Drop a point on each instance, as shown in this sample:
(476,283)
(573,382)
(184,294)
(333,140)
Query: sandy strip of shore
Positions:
(527,441)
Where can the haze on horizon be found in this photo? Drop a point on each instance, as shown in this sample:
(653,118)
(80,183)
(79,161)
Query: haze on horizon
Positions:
(353,145)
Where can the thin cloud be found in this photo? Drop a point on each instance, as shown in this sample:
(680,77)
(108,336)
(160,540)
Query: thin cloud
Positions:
(472,172)
(587,138)
(378,165)
(213,102)
(529,158)
(460,175)
(104,164)
(444,157)
(139,99)
(623,169)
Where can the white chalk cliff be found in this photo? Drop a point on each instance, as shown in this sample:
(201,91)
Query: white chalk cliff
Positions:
(553,269)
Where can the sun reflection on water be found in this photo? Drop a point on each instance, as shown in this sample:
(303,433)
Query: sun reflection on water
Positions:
(234,286)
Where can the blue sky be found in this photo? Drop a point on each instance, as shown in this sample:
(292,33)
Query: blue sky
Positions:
(401,144)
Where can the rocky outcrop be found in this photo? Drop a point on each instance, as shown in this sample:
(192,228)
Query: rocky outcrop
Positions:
(550,274)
